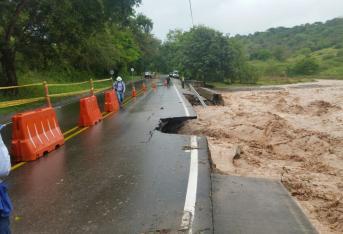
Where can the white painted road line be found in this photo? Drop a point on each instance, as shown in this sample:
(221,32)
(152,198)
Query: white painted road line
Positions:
(182,101)
(191,195)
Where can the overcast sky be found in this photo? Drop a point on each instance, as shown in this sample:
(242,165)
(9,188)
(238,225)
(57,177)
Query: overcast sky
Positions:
(238,16)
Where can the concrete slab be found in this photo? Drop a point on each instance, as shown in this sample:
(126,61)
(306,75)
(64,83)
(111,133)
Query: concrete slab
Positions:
(255,206)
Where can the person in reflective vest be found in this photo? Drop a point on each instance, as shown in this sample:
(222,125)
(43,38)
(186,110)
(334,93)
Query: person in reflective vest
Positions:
(5,202)
(120,88)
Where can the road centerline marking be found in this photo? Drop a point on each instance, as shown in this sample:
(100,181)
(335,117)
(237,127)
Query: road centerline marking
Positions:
(70,130)
(191,195)
(17,166)
(75,134)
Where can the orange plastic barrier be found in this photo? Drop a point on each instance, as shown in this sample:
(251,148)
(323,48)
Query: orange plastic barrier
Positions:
(89,112)
(111,101)
(34,134)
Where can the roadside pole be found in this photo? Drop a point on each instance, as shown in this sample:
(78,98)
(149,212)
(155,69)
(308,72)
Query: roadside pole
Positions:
(112,73)
(134,94)
(91,87)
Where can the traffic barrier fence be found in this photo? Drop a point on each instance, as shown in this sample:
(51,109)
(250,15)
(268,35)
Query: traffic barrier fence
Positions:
(34,134)
(89,111)
(111,102)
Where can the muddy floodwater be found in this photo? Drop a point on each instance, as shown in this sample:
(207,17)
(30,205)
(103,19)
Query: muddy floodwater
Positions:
(294,135)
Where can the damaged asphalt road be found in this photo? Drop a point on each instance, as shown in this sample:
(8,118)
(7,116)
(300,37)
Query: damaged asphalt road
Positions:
(120,176)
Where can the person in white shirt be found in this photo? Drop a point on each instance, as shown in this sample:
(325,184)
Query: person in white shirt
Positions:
(120,88)
(5,202)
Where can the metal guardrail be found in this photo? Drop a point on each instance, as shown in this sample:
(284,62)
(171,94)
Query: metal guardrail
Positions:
(195,83)
(197,95)
(211,95)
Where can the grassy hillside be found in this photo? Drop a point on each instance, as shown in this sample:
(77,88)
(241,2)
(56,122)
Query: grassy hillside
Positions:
(305,51)
(329,60)
(283,42)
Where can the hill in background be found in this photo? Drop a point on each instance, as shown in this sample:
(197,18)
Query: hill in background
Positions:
(311,49)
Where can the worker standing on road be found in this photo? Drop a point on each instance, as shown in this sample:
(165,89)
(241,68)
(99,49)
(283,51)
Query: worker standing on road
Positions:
(5,202)
(183,81)
(119,87)
(168,81)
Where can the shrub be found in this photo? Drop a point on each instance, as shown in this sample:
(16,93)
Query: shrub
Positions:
(306,66)
(340,53)
(261,55)
(248,74)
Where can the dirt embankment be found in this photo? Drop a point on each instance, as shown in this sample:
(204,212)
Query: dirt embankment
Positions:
(295,135)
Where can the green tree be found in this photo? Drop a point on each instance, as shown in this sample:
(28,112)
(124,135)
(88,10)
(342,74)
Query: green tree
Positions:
(44,27)
(279,53)
(10,12)
(46,32)
(144,23)
(149,46)
(109,49)
(206,54)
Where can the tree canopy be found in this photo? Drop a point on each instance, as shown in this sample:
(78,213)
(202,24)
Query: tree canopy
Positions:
(78,34)
(206,54)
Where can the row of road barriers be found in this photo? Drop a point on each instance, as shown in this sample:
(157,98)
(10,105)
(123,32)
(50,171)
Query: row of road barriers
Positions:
(36,133)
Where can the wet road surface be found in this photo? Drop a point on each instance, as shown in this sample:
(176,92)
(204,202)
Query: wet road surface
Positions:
(256,206)
(120,176)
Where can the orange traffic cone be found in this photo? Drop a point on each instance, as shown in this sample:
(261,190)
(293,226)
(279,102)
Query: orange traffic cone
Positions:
(144,87)
(134,93)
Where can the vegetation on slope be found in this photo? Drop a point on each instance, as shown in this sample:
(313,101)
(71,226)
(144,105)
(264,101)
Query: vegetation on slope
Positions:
(306,50)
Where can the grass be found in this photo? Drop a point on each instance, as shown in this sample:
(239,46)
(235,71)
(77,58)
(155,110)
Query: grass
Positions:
(283,80)
(264,81)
